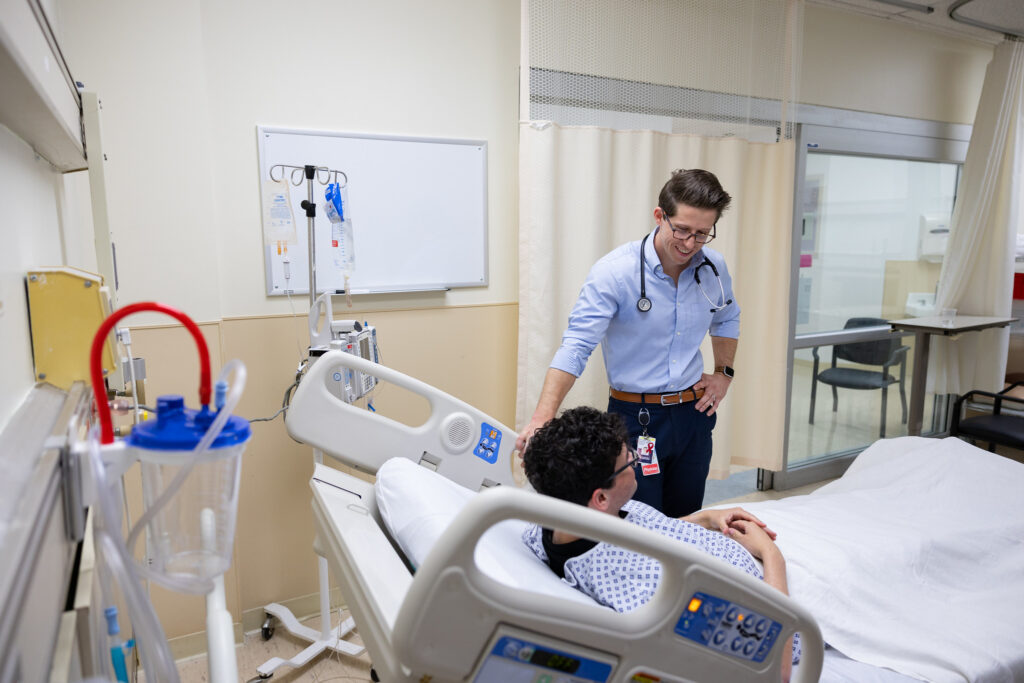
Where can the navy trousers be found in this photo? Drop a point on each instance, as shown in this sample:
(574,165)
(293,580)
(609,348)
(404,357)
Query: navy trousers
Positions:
(683,446)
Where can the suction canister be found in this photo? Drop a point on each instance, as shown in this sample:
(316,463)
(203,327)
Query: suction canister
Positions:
(182,548)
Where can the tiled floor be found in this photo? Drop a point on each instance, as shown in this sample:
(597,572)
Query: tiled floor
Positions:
(255,651)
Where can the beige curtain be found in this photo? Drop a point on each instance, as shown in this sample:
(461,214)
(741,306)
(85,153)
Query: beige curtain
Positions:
(585,190)
(977,273)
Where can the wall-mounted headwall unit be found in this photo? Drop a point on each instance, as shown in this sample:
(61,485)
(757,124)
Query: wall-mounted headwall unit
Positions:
(418,207)
(40,102)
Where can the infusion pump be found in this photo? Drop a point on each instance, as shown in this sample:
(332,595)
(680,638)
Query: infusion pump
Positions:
(349,384)
(328,334)
(346,383)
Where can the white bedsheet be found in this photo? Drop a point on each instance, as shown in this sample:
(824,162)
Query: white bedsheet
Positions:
(914,559)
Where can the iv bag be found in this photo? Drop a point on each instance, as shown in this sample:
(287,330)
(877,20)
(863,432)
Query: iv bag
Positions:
(337,209)
(278,220)
(343,246)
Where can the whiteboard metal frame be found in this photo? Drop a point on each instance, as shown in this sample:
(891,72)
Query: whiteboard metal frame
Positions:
(424,287)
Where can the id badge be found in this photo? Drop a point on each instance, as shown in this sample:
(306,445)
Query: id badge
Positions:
(648,456)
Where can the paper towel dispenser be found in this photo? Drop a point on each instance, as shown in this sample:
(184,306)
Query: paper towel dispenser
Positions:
(934,235)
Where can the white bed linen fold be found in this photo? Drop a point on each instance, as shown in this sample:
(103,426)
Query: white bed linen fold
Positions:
(914,559)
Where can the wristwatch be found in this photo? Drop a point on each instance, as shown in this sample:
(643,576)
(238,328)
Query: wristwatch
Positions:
(725,370)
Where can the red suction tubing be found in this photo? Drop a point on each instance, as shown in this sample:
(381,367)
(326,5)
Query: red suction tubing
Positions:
(96,363)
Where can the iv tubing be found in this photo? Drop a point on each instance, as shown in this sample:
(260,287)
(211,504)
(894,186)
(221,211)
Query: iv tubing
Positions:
(96,353)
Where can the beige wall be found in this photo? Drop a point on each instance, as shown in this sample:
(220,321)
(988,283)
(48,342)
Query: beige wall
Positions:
(851,61)
(722,46)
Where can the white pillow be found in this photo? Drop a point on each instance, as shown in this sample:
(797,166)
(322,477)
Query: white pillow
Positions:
(418,504)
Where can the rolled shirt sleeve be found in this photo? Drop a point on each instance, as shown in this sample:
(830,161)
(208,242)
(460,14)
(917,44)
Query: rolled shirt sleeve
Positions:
(595,307)
(726,322)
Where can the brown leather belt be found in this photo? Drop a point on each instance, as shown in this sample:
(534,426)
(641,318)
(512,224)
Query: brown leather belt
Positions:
(670,399)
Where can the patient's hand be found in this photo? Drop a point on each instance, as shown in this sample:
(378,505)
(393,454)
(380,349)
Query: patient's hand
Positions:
(755,539)
(723,520)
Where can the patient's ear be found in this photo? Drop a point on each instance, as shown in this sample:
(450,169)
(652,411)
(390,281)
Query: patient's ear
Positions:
(599,500)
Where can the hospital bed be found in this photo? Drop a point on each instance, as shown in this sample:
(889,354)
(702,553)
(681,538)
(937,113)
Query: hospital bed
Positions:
(449,593)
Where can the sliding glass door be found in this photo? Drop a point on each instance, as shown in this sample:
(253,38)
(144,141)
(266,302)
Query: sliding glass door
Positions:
(870,228)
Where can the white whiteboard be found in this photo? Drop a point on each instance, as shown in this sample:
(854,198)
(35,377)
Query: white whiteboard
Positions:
(418,210)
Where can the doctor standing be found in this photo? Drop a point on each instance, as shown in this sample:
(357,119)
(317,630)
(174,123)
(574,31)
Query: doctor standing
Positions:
(650,303)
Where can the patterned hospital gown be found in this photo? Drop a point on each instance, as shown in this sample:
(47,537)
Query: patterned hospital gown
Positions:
(624,580)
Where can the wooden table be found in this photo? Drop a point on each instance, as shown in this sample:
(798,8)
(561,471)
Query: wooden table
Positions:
(923,329)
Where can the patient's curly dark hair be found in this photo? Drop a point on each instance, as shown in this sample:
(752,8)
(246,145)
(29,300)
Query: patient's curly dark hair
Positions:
(574,454)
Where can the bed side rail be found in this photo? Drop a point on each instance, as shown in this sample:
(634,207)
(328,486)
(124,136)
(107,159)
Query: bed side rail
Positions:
(457,440)
(450,589)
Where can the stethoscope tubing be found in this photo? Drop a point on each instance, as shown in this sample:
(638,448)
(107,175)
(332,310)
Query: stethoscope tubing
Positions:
(643,304)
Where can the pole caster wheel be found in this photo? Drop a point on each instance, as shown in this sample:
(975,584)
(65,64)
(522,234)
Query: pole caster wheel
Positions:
(373,675)
(267,630)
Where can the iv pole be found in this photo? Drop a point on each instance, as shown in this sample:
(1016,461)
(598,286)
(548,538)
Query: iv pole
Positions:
(323,176)
(326,638)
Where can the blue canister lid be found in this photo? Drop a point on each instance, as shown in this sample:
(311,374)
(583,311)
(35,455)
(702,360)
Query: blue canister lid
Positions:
(176,428)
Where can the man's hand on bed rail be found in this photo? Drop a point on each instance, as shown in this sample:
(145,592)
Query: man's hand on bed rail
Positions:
(725,520)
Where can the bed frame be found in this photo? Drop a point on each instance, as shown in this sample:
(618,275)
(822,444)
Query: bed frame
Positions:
(449,620)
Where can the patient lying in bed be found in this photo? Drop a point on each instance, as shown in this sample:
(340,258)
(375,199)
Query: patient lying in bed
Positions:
(907,562)
(582,457)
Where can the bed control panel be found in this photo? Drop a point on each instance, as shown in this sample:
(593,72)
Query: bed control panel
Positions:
(489,445)
(721,625)
(516,656)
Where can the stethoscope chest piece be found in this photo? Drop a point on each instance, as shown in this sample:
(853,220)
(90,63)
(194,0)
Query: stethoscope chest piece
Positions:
(643,304)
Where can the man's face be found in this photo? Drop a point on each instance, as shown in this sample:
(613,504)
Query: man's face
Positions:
(675,240)
(624,485)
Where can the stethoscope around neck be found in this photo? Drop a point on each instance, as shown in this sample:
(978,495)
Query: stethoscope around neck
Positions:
(643,304)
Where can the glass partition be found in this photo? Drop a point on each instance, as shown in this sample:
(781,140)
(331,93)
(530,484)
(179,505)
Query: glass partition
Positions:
(839,410)
(870,233)
(873,237)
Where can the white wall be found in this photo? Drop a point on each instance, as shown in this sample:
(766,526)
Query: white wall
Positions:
(30,236)
(184,85)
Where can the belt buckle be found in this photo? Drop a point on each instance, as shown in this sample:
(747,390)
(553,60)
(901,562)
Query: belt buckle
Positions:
(678,396)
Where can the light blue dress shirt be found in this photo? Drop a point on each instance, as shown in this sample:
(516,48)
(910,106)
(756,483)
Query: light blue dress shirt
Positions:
(653,352)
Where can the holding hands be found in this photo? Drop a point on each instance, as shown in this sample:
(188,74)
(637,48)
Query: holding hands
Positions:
(728,521)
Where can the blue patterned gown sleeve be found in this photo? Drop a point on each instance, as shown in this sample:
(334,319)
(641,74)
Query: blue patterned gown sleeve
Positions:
(625,580)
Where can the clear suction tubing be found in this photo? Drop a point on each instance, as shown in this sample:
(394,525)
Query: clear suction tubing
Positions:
(191,464)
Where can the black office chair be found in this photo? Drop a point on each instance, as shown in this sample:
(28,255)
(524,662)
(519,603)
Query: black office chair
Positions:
(995,427)
(884,352)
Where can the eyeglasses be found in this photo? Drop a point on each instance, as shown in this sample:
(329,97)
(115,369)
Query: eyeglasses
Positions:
(632,460)
(684,235)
